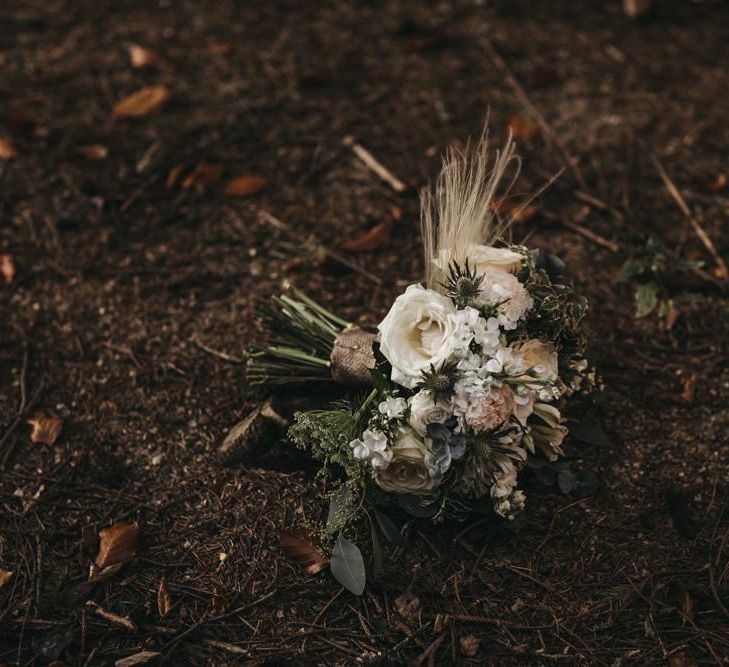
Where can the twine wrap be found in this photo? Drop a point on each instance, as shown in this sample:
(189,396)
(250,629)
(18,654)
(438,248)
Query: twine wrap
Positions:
(352,357)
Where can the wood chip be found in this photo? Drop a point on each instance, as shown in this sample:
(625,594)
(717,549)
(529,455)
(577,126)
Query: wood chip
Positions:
(375,238)
(44,428)
(7,269)
(164,599)
(245,185)
(117,544)
(143,102)
(7,150)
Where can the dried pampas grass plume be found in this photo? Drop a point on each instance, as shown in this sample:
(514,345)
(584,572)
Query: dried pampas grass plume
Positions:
(459,211)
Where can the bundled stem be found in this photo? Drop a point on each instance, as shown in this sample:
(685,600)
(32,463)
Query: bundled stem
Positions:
(303,338)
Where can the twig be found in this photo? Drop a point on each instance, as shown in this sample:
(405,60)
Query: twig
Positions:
(722,272)
(375,165)
(332,254)
(583,231)
(225,646)
(544,125)
(217,353)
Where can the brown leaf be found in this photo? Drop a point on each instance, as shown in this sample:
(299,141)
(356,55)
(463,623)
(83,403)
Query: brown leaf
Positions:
(407,605)
(718,184)
(7,150)
(219,48)
(470,645)
(94,152)
(164,599)
(680,659)
(7,269)
(5,577)
(141,57)
(117,544)
(377,237)
(203,176)
(296,545)
(245,185)
(636,8)
(136,659)
(514,210)
(687,605)
(143,102)
(522,128)
(689,388)
(44,428)
(173,178)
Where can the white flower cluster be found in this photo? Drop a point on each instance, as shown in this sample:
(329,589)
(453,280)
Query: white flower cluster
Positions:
(464,379)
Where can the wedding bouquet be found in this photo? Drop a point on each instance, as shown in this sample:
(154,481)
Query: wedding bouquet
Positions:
(467,374)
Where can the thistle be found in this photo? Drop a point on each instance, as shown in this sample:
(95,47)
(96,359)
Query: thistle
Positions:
(439,381)
(463,284)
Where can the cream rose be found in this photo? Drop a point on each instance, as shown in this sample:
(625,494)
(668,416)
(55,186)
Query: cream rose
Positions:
(419,331)
(482,258)
(540,357)
(411,469)
(426,409)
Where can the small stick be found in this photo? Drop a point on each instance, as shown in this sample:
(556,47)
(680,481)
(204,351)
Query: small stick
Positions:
(583,231)
(546,128)
(375,165)
(722,272)
(217,353)
(225,646)
(332,254)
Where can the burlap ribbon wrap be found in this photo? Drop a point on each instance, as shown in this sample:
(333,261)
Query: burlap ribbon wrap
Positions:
(352,357)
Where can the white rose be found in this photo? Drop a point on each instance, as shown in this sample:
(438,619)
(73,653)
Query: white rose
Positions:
(411,469)
(418,332)
(426,409)
(540,357)
(481,258)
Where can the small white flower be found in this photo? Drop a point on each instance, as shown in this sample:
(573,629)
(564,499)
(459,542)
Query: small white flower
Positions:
(486,334)
(372,447)
(503,288)
(393,408)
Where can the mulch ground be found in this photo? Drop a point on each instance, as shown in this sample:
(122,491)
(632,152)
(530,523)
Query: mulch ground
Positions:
(128,285)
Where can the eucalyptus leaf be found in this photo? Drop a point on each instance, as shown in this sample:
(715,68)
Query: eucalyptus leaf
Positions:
(646,299)
(555,266)
(347,566)
(566,481)
(587,430)
(389,529)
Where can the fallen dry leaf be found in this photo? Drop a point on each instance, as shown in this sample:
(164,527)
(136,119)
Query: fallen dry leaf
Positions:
(470,645)
(141,57)
(407,605)
(636,8)
(203,176)
(515,211)
(94,152)
(689,388)
(718,184)
(174,176)
(117,544)
(377,237)
(219,48)
(143,102)
(164,599)
(44,428)
(5,577)
(136,659)
(523,129)
(7,150)
(297,546)
(245,185)
(7,269)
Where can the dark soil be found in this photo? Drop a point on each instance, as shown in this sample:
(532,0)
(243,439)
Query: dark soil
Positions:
(124,287)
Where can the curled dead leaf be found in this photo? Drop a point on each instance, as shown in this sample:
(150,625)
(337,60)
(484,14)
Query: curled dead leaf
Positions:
(522,128)
(203,176)
(297,547)
(164,599)
(7,150)
(377,237)
(143,102)
(94,152)
(245,185)
(117,544)
(7,269)
(45,429)
(5,577)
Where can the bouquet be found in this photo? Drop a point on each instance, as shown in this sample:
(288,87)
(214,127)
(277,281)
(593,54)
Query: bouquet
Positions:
(463,384)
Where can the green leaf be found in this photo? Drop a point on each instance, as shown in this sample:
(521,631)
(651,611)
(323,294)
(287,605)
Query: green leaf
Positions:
(389,529)
(646,299)
(340,499)
(587,430)
(632,268)
(555,266)
(347,566)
